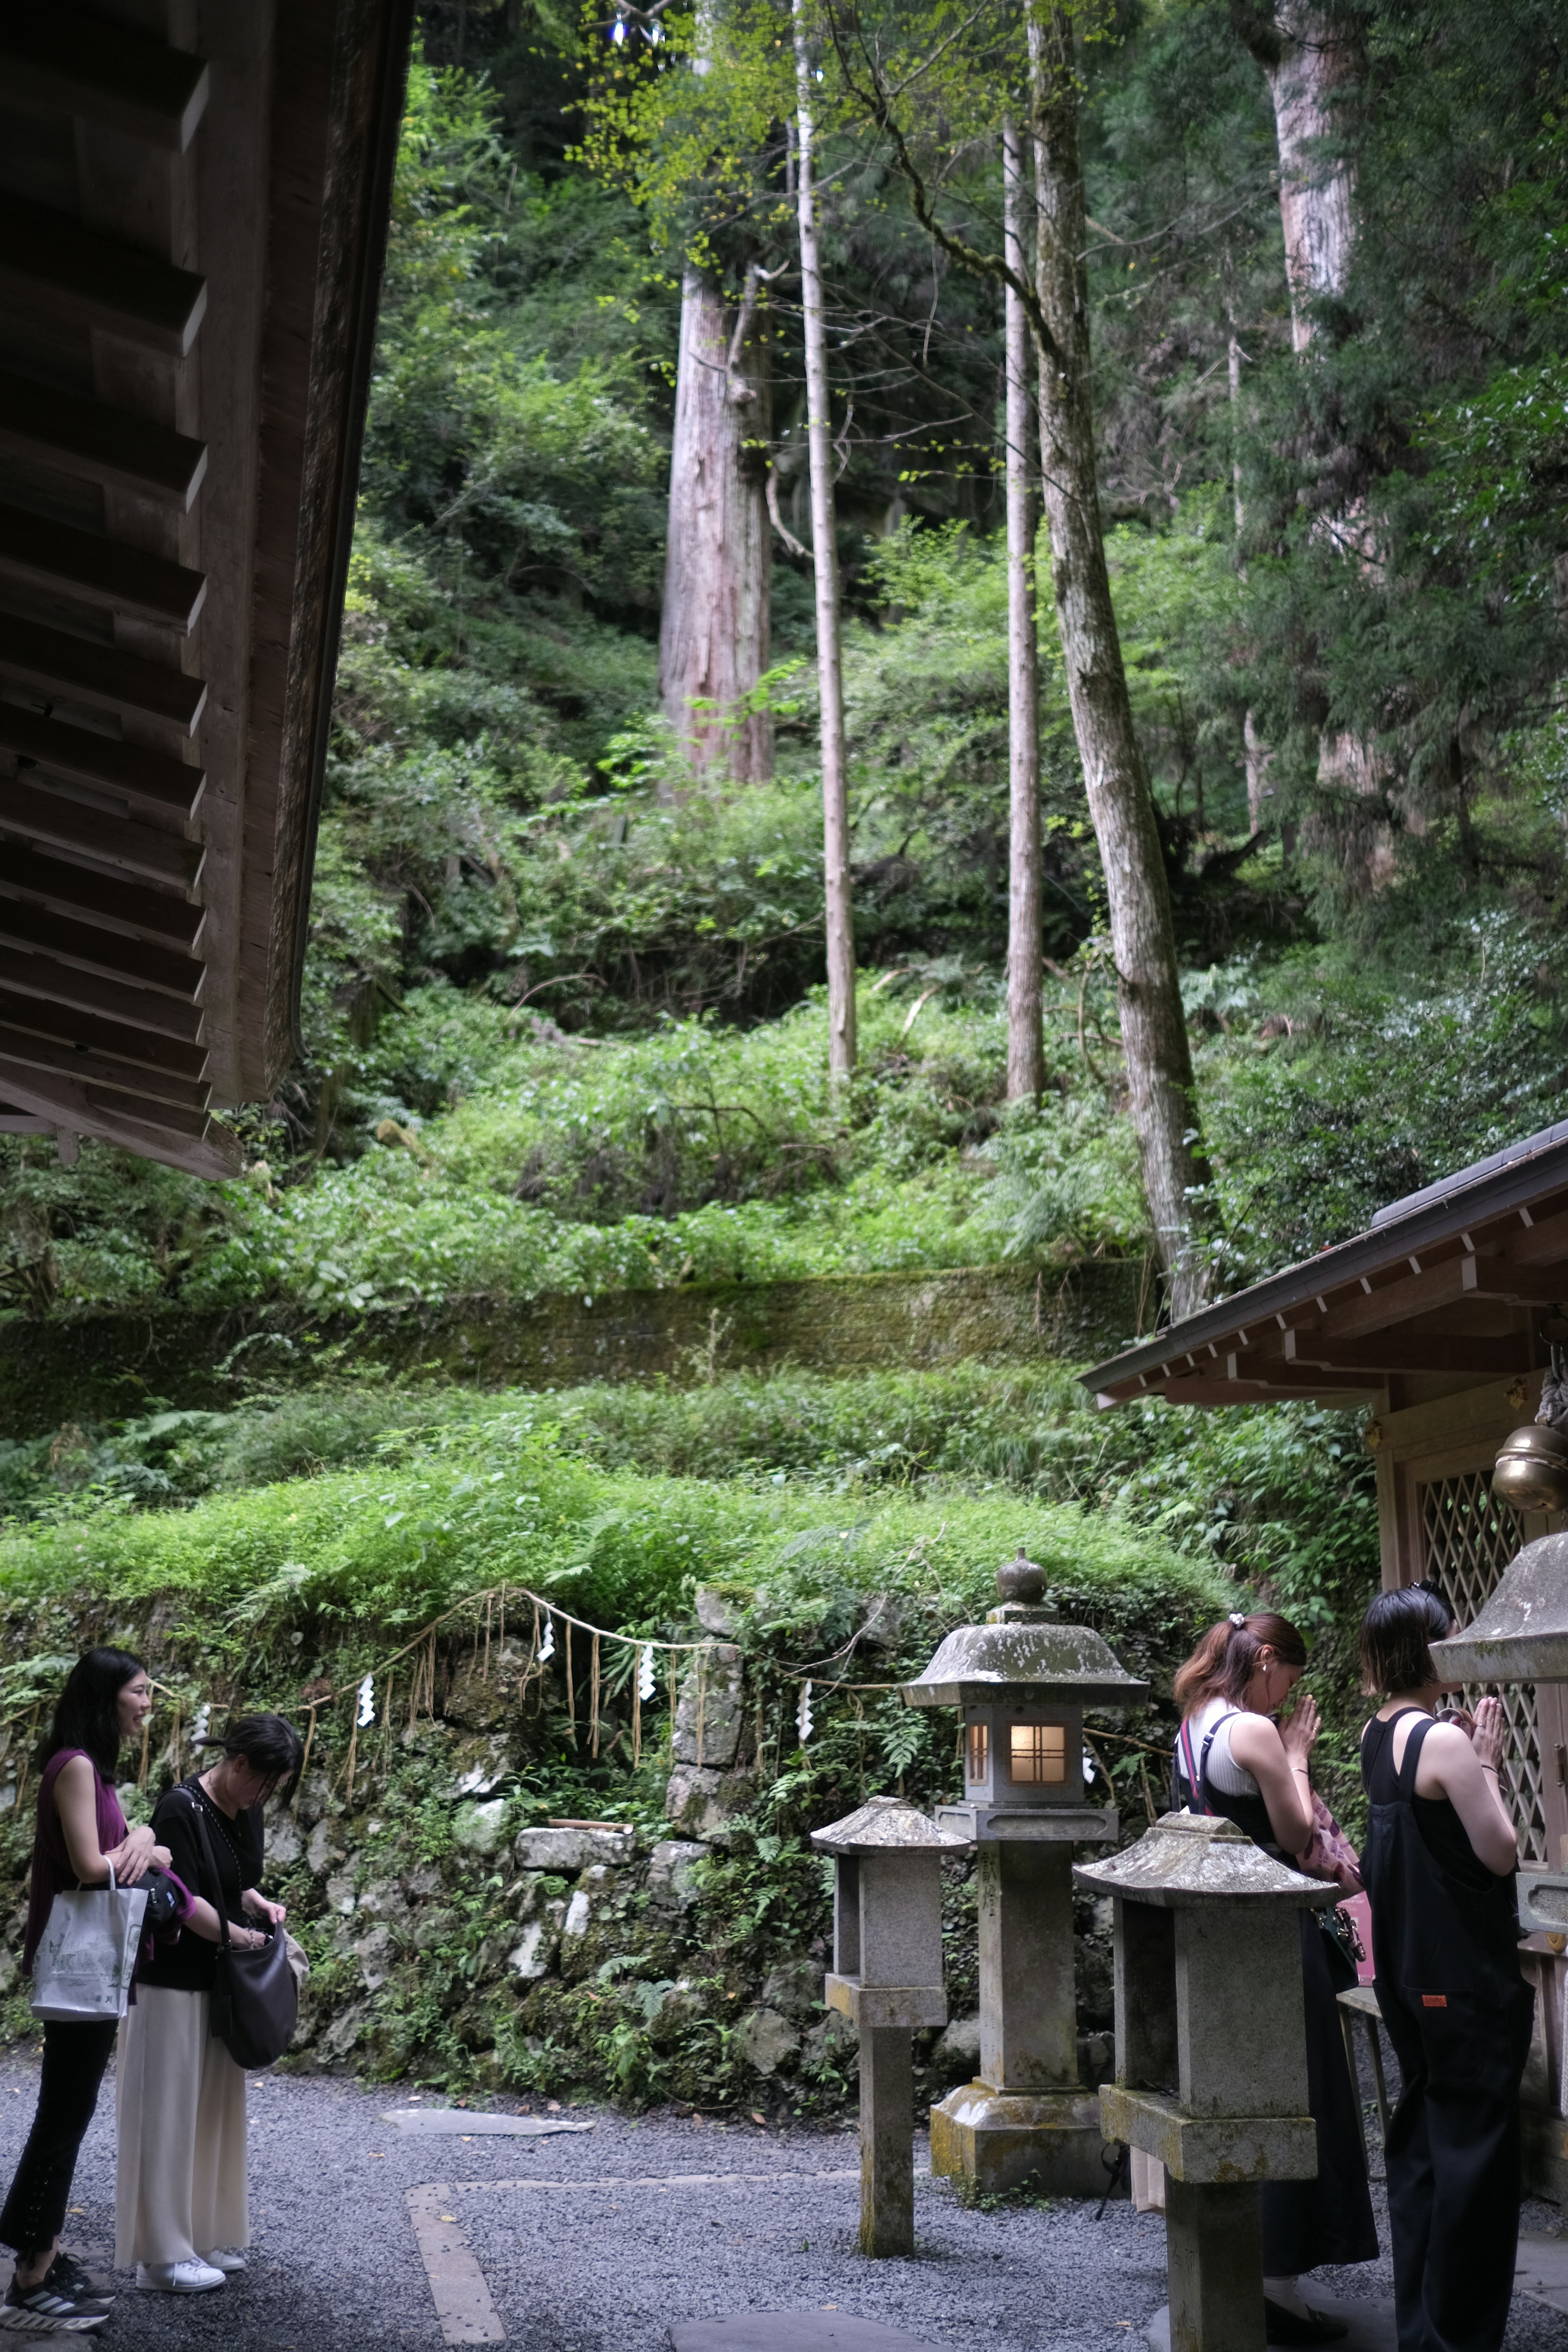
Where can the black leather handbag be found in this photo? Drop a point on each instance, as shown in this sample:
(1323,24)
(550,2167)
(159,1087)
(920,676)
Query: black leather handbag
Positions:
(255,1995)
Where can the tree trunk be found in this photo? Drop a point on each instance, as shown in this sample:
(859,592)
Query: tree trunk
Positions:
(1309,54)
(1142,938)
(840,905)
(1026,1040)
(713,638)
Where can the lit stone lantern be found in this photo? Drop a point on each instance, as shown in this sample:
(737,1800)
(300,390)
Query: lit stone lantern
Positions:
(886,1979)
(1023,1684)
(1211,2054)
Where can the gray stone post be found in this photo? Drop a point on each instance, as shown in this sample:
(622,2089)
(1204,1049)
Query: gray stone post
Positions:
(1028,2039)
(887,2140)
(1214,2261)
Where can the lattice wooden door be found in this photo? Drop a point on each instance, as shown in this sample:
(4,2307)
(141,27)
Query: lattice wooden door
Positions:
(1470,1539)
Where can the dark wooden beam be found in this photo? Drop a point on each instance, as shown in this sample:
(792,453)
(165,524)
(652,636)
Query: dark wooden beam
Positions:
(74,891)
(1442,1285)
(182,1138)
(91,65)
(55,270)
(41,815)
(94,1033)
(98,570)
(112,955)
(1200,1390)
(25,1049)
(1492,1358)
(146,779)
(97,444)
(51,662)
(66,984)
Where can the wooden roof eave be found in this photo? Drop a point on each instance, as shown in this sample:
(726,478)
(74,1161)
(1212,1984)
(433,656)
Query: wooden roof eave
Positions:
(1423,1292)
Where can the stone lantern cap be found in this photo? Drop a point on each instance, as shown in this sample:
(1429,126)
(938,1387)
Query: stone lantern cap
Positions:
(886,1825)
(1192,1859)
(1522,1634)
(1025,1665)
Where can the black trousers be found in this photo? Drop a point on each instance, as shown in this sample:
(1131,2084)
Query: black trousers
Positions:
(75,2060)
(1328,2220)
(1454,2166)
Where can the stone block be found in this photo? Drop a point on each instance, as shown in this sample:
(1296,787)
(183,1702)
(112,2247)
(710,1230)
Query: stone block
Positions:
(326,1846)
(703,1801)
(1205,2150)
(765,2039)
(479,1828)
(567,1852)
(957,2052)
(284,1843)
(341,1893)
(1240,2023)
(900,1918)
(347,2028)
(375,1955)
(794,1989)
(871,2008)
(670,1866)
(717,1611)
(385,1899)
(578,1913)
(479,1767)
(707,1718)
(533,1953)
(998,2141)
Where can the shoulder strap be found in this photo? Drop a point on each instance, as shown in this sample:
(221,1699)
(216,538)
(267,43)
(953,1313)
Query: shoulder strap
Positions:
(1405,1781)
(210,1858)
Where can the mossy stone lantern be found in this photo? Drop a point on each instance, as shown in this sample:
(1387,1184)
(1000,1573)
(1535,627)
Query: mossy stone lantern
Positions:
(1022,1683)
(1211,2054)
(886,1979)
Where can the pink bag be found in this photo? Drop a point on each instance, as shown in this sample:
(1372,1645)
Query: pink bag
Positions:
(1328,1853)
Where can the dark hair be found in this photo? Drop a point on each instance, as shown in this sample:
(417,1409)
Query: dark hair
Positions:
(86,1714)
(1226,1658)
(268,1745)
(1397,1634)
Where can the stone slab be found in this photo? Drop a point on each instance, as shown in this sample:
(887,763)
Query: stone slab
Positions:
(1210,2150)
(427,2123)
(1371,2325)
(1540,2269)
(794,2331)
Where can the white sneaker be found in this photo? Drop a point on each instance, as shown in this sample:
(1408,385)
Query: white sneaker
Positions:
(228,2263)
(177,2278)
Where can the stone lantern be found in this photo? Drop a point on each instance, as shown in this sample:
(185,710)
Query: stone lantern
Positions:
(1023,1684)
(1520,1635)
(886,1979)
(1211,2054)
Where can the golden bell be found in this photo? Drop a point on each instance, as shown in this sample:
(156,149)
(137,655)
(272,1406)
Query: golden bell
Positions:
(1532,1469)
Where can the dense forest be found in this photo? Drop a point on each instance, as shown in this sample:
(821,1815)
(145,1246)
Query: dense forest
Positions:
(564,1011)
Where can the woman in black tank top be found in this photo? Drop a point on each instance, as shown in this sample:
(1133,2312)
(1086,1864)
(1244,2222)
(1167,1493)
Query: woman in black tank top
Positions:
(1439,1868)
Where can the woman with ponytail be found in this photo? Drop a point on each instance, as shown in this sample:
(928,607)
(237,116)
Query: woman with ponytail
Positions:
(1233,1758)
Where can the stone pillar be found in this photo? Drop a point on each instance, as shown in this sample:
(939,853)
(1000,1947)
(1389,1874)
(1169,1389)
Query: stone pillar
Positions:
(1028,2039)
(1214,2260)
(887,2140)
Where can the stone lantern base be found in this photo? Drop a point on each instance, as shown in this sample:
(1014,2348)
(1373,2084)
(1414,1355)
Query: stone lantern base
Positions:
(995,2140)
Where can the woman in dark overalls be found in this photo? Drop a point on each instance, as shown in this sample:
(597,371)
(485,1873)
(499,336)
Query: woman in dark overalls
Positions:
(1233,1758)
(1439,1868)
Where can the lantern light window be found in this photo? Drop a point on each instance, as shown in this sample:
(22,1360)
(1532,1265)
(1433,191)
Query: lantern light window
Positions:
(979,1745)
(1038,1753)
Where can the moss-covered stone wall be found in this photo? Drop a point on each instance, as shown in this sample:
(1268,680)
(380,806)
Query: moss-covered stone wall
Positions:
(97,1368)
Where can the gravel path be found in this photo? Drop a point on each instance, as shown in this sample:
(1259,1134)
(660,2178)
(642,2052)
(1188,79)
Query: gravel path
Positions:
(596,2242)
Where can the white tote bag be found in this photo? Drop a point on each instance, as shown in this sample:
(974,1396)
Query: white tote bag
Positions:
(86,1954)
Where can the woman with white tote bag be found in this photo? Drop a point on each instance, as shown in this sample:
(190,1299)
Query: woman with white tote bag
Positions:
(82,1841)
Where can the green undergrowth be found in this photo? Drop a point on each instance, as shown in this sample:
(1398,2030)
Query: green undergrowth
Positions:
(349,1515)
